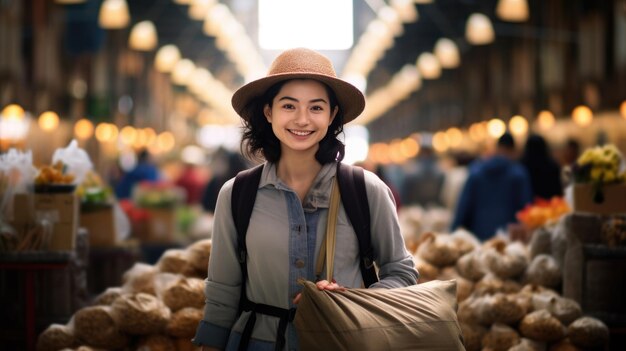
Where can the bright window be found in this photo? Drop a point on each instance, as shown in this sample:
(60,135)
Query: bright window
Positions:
(315,24)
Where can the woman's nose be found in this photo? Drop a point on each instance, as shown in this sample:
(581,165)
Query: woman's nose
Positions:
(302,117)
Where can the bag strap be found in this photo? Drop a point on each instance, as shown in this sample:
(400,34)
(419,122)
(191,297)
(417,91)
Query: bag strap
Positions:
(327,249)
(351,180)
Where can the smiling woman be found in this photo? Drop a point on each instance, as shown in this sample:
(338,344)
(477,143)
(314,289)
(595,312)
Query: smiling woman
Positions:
(292,119)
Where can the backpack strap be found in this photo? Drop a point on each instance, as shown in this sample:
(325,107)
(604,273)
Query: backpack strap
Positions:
(243,196)
(351,181)
(242,203)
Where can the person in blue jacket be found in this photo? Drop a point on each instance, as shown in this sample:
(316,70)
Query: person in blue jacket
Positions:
(495,190)
(144,170)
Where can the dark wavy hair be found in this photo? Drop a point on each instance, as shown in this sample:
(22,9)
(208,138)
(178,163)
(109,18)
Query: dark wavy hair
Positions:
(259,141)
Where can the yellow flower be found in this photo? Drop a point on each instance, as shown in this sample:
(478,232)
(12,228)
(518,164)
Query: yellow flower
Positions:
(609,176)
(586,157)
(596,173)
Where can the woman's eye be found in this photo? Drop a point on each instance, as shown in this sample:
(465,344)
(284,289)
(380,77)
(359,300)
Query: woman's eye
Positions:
(317,108)
(288,106)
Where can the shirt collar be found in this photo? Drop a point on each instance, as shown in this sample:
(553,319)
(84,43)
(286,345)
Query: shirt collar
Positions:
(319,194)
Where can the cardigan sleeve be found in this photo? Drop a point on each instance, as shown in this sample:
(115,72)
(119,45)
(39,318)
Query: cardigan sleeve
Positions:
(223,283)
(395,263)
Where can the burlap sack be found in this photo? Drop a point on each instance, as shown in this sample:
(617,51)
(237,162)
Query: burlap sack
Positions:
(418,317)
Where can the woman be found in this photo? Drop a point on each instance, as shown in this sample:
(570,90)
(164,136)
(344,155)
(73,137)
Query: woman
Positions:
(292,118)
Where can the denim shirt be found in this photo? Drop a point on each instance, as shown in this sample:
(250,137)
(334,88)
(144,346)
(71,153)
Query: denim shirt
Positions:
(283,240)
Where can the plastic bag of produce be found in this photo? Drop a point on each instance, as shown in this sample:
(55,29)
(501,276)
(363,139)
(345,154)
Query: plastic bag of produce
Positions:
(182,292)
(500,337)
(56,337)
(184,322)
(140,314)
(140,278)
(588,332)
(176,261)
(198,254)
(156,343)
(107,297)
(95,326)
(76,159)
(541,325)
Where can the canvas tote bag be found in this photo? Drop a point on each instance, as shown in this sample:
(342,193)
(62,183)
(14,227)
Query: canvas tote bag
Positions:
(418,317)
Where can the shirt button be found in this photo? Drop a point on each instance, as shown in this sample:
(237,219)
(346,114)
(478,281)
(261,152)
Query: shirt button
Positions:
(299,263)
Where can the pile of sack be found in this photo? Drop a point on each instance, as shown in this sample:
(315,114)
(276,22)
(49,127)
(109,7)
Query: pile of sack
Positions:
(508,294)
(157,308)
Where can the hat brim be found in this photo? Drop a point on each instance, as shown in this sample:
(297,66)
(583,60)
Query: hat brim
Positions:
(351,100)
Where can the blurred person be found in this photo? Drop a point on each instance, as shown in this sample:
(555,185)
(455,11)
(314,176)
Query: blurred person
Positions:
(495,190)
(144,170)
(454,179)
(544,171)
(570,152)
(422,185)
(568,155)
(191,182)
(224,166)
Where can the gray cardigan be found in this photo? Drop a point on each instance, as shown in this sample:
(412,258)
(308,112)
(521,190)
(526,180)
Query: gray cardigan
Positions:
(275,241)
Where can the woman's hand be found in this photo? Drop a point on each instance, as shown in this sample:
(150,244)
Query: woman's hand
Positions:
(322,285)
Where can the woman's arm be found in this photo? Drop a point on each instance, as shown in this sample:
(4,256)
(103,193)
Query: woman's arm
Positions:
(395,263)
(223,282)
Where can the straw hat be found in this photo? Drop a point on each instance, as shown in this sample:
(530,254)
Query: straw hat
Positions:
(303,64)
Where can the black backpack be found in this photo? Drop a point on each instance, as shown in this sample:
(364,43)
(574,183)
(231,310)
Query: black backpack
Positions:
(354,198)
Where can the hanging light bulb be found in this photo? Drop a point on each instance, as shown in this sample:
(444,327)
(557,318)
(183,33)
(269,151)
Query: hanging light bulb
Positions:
(440,142)
(106,132)
(478,131)
(454,136)
(545,119)
(183,71)
(166,141)
(143,36)
(518,125)
(13,111)
(114,14)
(447,53)
(496,127)
(428,66)
(479,30)
(512,10)
(83,129)
(582,115)
(166,58)
(622,109)
(128,135)
(199,8)
(406,10)
(48,121)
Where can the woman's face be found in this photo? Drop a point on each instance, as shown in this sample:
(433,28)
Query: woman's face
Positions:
(300,115)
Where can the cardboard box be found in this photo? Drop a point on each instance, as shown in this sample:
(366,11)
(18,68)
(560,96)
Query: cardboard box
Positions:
(100,225)
(614,199)
(159,227)
(59,209)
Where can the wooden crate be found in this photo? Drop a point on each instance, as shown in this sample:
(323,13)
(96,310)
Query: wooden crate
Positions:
(594,274)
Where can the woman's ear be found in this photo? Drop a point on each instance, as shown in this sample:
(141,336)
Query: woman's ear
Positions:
(267,111)
(333,115)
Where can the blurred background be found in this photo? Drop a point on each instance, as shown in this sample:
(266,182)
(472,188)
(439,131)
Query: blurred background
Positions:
(117,132)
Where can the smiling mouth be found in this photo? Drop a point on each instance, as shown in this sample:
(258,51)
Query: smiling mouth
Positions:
(300,132)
